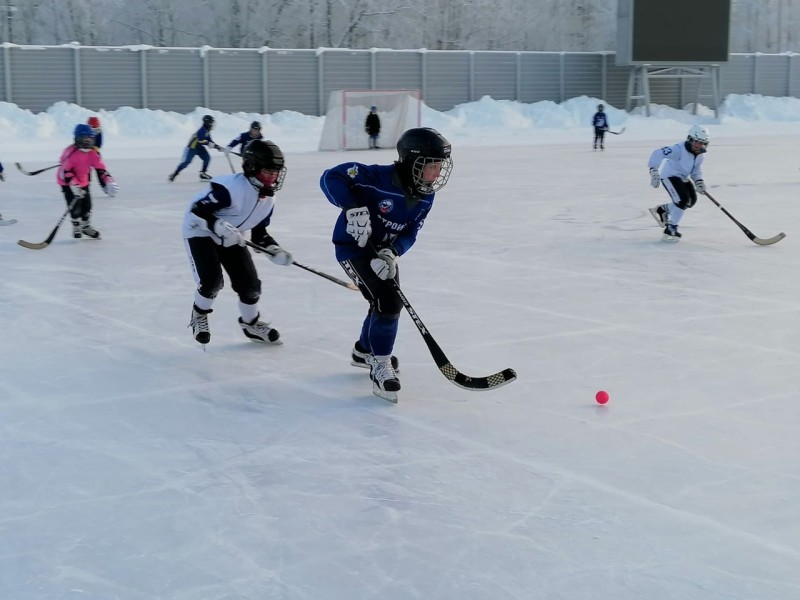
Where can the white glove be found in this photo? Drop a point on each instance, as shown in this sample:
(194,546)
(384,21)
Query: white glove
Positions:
(111,188)
(700,186)
(385,266)
(279,256)
(359,225)
(227,151)
(655,178)
(77,192)
(230,236)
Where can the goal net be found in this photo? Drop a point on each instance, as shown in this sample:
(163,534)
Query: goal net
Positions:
(344,129)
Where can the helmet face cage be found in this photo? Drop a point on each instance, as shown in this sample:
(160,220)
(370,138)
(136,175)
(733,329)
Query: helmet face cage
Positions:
(418,173)
(698,137)
(208,121)
(260,157)
(84,137)
(419,148)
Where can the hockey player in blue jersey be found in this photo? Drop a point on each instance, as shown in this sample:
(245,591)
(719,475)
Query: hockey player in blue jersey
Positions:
(245,138)
(197,147)
(600,124)
(383,207)
(94,123)
(677,166)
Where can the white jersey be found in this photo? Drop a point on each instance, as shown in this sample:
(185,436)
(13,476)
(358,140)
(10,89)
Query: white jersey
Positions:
(677,161)
(246,209)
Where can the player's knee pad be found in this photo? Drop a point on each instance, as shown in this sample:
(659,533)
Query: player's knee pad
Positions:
(210,289)
(388,304)
(689,200)
(251,293)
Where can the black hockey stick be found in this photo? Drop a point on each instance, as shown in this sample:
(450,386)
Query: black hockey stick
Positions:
(445,366)
(615,132)
(753,237)
(46,243)
(349,285)
(20,167)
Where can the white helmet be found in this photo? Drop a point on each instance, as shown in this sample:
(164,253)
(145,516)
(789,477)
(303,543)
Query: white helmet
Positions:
(700,134)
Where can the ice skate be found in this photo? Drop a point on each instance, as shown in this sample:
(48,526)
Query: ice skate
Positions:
(385,383)
(359,358)
(260,332)
(659,214)
(77,229)
(199,325)
(671,233)
(88,230)
(173,176)
(205,176)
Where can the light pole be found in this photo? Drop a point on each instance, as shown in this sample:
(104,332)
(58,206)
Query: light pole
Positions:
(8,9)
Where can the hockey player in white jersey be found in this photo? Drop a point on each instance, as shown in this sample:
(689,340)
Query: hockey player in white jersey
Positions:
(679,168)
(213,229)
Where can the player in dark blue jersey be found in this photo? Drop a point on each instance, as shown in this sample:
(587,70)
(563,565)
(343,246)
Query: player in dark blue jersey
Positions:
(600,124)
(245,138)
(197,147)
(383,207)
(94,123)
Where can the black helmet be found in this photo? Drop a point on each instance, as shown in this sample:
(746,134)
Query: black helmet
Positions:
(418,148)
(260,156)
(208,121)
(255,125)
(600,108)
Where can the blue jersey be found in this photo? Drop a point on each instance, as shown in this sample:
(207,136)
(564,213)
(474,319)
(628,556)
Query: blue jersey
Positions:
(600,121)
(98,140)
(395,216)
(201,138)
(243,139)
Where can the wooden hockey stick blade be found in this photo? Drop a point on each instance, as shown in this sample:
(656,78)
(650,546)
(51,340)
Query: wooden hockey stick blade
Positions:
(33,245)
(615,132)
(348,284)
(26,172)
(768,241)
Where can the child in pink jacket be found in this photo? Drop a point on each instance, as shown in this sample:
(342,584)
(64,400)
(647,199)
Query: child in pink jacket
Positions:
(77,162)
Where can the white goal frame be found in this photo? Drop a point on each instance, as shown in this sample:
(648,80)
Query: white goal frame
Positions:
(344,130)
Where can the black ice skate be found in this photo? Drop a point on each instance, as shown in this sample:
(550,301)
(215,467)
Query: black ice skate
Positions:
(671,233)
(385,383)
(199,325)
(173,176)
(261,332)
(88,230)
(204,176)
(659,214)
(359,358)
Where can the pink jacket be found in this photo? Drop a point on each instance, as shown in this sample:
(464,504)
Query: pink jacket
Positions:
(76,167)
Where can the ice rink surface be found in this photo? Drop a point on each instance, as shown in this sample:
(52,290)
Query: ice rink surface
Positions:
(135,466)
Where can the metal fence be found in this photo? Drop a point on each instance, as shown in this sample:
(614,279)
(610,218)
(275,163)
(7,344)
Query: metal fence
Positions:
(266,80)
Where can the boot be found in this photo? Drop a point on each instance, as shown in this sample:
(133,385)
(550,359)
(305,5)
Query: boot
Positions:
(385,383)
(671,233)
(659,214)
(88,230)
(199,325)
(261,332)
(77,228)
(359,357)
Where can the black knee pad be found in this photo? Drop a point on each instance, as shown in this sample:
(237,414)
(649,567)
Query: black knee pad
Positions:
(388,304)
(210,289)
(251,293)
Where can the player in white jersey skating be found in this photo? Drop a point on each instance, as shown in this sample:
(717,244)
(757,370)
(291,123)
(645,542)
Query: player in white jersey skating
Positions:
(679,168)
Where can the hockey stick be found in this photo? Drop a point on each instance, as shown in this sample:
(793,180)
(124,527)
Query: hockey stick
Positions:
(475,384)
(349,285)
(615,132)
(46,243)
(230,164)
(760,241)
(19,166)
